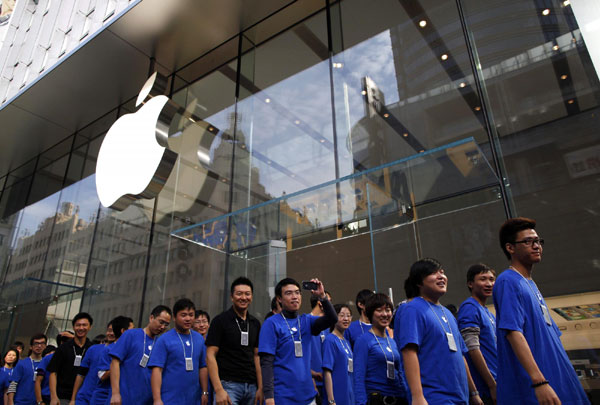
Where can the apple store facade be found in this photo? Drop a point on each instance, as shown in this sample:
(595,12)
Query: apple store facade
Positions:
(332,139)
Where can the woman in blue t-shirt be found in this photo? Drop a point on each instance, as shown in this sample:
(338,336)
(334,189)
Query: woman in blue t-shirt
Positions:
(378,376)
(338,363)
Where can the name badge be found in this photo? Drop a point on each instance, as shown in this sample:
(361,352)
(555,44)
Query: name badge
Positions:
(391,371)
(322,338)
(298,348)
(144,360)
(350,365)
(189,364)
(451,342)
(77,361)
(546,314)
(244,341)
(34,376)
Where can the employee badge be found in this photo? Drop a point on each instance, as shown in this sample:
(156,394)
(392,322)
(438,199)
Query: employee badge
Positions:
(391,372)
(298,348)
(546,313)
(77,361)
(244,341)
(451,342)
(189,364)
(144,360)
(350,365)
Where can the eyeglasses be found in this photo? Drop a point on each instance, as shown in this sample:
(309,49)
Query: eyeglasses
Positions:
(39,344)
(530,242)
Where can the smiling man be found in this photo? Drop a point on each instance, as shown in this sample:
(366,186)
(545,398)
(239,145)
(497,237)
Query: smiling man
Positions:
(285,345)
(533,366)
(22,381)
(67,359)
(232,350)
(478,328)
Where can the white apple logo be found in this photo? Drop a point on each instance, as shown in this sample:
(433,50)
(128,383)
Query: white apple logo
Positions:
(132,164)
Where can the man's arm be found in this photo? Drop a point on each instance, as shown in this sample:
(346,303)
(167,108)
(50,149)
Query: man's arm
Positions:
(221,396)
(544,393)
(483,370)
(115,376)
(328,386)
(259,397)
(52,385)
(78,382)
(38,388)
(204,384)
(412,371)
(266,368)
(155,384)
(473,399)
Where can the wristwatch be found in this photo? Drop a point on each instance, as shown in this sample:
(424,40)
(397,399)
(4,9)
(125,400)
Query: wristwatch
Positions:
(331,401)
(205,393)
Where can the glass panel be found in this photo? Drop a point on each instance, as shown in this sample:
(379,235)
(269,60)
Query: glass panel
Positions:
(48,180)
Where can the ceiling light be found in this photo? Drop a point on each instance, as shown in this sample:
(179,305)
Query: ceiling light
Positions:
(563,77)
(322,140)
(405,135)
(566,3)
(297,122)
(444,57)
(462,84)
(386,115)
(422,150)
(364,92)
(571,101)
(477,108)
(546,11)
(422,23)
(555,48)
(267,100)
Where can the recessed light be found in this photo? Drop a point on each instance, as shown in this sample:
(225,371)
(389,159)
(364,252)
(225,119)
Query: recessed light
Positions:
(297,122)
(444,57)
(477,108)
(267,100)
(546,11)
(566,3)
(462,84)
(386,115)
(405,134)
(422,23)
(364,92)
(563,77)
(555,48)
(422,150)
(322,140)
(571,101)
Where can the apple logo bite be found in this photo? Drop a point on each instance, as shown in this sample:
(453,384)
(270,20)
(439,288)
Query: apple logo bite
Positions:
(134,161)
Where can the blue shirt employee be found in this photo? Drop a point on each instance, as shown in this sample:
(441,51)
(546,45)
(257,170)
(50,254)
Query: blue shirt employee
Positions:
(285,345)
(338,361)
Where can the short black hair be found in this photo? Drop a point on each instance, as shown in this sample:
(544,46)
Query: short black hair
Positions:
(241,281)
(362,297)
(48,349)
(375,301)
(20,344)
(201,312)
(83,315)
(338,309)
(98,339)
(159,309)
(510,228)
(62,339)
(181,304)
(120,324)
(418,271)
(13,349)
(476,269)
(274,304)
(314,299)
(283,283)
(38,336)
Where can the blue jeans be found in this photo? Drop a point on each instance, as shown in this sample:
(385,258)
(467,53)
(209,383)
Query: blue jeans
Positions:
(240,393)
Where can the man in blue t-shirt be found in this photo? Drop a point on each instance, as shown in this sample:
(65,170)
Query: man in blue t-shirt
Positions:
(361,325)
(22,382)
(129,374)
(478,329)
(178,362)
(532,363)
(316,359)
(42,388)
(285,345)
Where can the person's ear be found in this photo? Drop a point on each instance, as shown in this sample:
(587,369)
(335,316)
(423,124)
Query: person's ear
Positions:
(510,248)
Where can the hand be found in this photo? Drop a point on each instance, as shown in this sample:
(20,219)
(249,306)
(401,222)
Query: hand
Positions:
(546,395)
(270,401)
(419,401)
(71,402)
(259,397)
(115,399)
(320,291)
(159,402)
(204,400)
(475,400)
(54,401)
(493,393)
(317,376)
(222,398)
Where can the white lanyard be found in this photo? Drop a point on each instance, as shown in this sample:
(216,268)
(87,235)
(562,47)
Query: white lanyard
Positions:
(449,336)
(438,318)
(381,347)
(33,367)
(152,347)
(543,307)
(183,346)
(290,329)
(346,347)
(361,326)
(75,353)
(489,316)
(247,326)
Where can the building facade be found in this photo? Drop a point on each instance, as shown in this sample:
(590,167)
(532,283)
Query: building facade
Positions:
(339,140)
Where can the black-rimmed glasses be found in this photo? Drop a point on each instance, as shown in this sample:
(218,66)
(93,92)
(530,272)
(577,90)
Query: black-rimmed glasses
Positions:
(530,241)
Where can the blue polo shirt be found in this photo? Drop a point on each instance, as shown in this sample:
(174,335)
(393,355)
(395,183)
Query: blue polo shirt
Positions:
(41,371)
(443,373)
(90,362)
(292,379)
(24,375)
(356,330)
(474,315)
(316,359)
(518,308)
(134,382)
(179,386)
(336,353)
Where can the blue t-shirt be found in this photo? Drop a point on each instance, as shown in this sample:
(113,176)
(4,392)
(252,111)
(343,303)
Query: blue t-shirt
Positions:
(316,357)
(336,353)
(371,354)
(24,375)
(443,373)
(41,371)
(292,379)
(178,385)
(518,308)
(3,382)
(134,380)
(90,362)
(356,330)
(101,395)
(474,315)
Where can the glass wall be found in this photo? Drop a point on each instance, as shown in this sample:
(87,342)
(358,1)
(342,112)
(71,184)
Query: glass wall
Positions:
(341,140)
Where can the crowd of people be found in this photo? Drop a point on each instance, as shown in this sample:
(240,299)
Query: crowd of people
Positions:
(418,352)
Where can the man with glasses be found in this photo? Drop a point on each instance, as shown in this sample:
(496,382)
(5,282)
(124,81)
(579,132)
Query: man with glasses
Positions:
(129,372)
(22,382)
(533,367)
